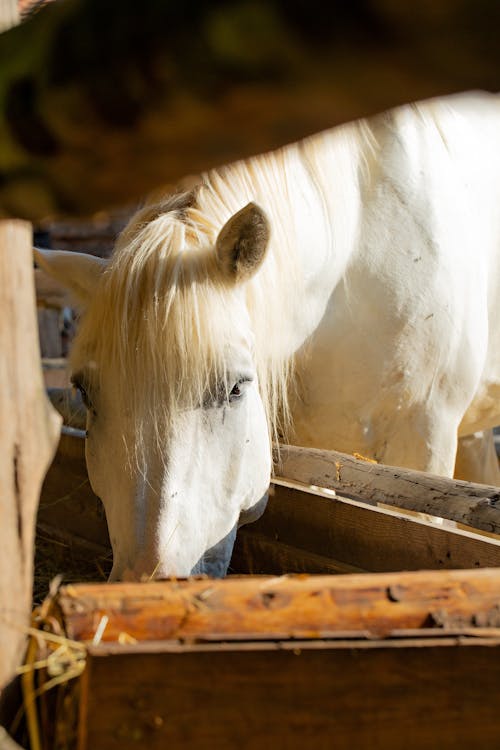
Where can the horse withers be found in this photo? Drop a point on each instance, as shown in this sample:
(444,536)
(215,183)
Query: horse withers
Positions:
(346,284)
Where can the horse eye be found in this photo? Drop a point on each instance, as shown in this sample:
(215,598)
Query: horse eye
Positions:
(235,392)
(237,389)
(83,393)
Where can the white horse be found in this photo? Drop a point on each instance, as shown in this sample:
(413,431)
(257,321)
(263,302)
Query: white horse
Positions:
(368,254)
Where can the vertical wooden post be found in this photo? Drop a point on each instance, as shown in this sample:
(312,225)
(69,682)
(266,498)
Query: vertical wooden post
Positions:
(9,14)
(29,430)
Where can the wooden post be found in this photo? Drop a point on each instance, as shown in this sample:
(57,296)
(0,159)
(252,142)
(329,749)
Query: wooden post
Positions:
(29,430)
(9,14)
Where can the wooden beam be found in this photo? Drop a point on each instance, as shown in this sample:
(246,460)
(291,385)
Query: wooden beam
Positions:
(297,607)
(301,531)
(474,505)
(101,104)
(303,526)
(371,660)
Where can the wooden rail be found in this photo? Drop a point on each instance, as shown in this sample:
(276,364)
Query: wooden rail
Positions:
(301,530)
(284,607)
(474,505)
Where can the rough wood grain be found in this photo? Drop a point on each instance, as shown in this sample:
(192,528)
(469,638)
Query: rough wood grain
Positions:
(29,431)
(473,505)
(290,697)
(299,532)
(355,534)
(350,695)
(259,552)
(297,607)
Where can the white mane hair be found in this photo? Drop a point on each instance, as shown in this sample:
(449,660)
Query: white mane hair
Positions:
(159,321)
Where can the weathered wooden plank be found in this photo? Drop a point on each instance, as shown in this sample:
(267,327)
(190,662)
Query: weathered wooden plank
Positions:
(299,532)
(473,505)
(260,554)
(357,534)
(254,607)
(411,694)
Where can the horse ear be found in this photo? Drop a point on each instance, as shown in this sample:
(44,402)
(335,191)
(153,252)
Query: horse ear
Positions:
(242,243)
(77,272)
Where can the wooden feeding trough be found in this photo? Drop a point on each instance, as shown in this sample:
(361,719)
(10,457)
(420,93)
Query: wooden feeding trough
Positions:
(356,661)
(322,517)
(376,657)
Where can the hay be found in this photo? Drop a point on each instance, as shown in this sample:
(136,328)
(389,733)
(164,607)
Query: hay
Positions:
(52,661)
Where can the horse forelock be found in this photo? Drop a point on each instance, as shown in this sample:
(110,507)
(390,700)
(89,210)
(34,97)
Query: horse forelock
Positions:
(161,320)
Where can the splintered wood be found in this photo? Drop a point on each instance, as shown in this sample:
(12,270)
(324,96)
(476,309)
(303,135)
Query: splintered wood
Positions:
(297,607)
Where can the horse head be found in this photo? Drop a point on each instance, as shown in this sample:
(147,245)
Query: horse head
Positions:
(178,444)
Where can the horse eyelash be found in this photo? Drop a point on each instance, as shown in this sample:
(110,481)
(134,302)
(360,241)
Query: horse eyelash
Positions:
(78,385)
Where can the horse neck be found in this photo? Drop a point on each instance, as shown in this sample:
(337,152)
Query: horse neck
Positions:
(310,191)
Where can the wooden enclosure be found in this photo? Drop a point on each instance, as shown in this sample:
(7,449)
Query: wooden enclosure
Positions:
(372,658)
(360,660)
(306,529)
(356,661)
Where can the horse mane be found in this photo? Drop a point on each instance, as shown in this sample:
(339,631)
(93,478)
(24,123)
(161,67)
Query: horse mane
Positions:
(160,319)
(161,312)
